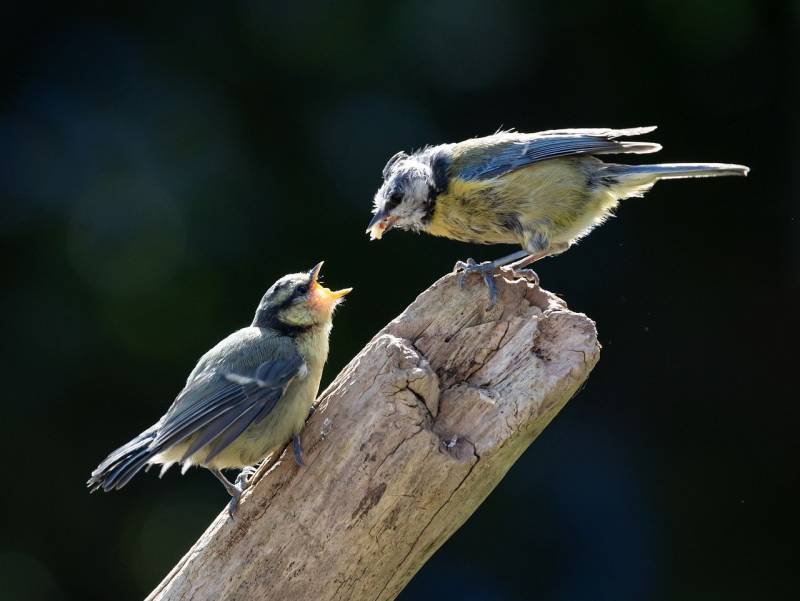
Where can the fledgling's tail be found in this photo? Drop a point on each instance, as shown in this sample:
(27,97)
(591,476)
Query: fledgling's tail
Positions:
(635,180)
(123,464)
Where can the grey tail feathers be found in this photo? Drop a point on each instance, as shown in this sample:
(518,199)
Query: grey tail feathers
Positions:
(634,180)
(124,463)
(678,170)
(649,174)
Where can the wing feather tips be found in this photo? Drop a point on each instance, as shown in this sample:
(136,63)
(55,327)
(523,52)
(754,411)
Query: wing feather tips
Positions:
(610,135)
(600,132)
(635,148)
(632,131)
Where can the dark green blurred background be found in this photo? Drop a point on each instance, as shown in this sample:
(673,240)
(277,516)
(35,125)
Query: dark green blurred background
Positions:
(161,165)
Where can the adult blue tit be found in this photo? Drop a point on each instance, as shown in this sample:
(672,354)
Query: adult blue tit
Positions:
(543,191)
(246,397)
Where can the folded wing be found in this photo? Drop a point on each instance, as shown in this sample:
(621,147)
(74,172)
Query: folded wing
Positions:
(485,158)
(218,418)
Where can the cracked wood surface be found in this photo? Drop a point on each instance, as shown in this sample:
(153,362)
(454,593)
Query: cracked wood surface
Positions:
(405,444)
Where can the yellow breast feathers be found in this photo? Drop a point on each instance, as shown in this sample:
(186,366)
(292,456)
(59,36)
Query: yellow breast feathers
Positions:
(474,211)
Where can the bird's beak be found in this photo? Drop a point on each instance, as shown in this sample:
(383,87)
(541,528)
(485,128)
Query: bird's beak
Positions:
(337,294)
(314,272)
(325,295)
(380,224)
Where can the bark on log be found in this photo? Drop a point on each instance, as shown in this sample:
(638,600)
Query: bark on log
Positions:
(405,444)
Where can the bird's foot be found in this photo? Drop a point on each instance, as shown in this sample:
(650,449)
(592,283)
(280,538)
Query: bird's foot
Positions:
(485,270)
(247,473)
(237,489)
(298,451)
(527,274)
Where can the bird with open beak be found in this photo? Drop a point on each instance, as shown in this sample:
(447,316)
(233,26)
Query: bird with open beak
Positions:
(246,397)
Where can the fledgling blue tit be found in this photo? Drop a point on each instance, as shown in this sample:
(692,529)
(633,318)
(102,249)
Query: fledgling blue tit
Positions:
(246,397)
(543,191)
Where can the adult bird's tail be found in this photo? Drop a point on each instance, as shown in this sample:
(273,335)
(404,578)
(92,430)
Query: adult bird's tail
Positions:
(124,463)
(634,180)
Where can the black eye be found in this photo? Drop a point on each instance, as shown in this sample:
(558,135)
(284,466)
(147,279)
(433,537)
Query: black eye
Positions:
(301,290)
(395,199)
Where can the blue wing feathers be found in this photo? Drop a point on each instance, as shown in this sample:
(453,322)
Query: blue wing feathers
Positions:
(236,428)
(507,151)
(198,416)
(236,410)
(217,417)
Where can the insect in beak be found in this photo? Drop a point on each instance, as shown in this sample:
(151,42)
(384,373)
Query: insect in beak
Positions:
(380,224)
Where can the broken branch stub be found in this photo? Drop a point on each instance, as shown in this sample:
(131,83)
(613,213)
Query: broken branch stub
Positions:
(405,444)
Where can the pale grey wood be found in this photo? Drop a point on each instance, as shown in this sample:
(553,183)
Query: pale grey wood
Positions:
(406,443)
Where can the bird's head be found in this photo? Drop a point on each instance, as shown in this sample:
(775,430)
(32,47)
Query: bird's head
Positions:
(298,302)
(405,200)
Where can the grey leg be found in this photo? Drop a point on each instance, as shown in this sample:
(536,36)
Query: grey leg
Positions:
(235,490)
(230,487)
(554,249)
(298,451)
(526,261)
(503,261)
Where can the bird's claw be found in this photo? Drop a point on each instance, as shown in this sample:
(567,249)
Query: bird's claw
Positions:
(298,451)
(485,270)
(464,267)
(233,504)
(241,484)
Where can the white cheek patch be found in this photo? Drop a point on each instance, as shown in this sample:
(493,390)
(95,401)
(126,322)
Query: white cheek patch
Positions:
(418,190)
